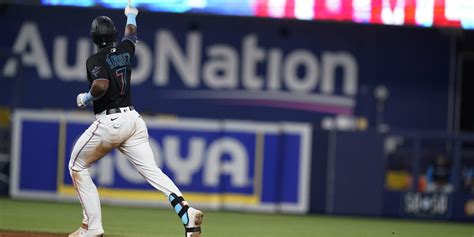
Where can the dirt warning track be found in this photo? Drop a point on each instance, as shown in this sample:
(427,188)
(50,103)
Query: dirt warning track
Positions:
(28,234)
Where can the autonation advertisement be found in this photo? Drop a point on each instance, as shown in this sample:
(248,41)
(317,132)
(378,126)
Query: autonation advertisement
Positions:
(219,164)
(241,68)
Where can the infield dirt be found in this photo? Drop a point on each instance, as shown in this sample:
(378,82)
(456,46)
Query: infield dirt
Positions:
(28,234)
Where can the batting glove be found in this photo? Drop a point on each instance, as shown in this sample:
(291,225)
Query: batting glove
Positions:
(131,10)
(82,100)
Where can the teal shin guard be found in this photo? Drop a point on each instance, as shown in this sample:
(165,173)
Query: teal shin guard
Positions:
(181,210)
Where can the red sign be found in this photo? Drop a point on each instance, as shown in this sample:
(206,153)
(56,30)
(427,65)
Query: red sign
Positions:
(442,13)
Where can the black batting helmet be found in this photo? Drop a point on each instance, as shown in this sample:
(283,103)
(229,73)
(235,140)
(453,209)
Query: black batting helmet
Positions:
(103,31)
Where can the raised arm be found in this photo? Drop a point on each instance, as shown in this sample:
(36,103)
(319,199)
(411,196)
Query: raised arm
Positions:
(130,30)
(131,27)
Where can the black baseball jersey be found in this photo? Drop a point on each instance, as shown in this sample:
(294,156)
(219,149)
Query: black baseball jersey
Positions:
(113,63)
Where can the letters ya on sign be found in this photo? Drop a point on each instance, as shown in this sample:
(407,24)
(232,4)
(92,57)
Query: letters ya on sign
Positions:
(202,155)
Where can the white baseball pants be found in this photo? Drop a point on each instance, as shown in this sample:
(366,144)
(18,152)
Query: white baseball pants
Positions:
(127,132)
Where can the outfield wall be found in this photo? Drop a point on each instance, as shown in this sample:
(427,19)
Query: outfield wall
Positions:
(386,174)
(217,164)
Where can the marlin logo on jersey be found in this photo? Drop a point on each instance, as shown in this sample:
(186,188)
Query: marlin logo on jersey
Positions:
(119,60)
(96,70)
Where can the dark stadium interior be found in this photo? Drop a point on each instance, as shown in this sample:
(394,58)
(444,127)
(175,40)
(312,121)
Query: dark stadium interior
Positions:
(336,108)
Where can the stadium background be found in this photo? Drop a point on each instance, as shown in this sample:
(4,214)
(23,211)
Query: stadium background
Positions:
(344,110)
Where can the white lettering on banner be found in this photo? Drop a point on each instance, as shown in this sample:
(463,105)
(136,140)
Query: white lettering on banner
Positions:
(29,37)
(344,60)
(428,204)
(199,157)
(184,168)
(252,55)
(295,72)
(274,64)
(60,58)
(236,167)
(221,72)
(143,70)
(168,51)
(306,60)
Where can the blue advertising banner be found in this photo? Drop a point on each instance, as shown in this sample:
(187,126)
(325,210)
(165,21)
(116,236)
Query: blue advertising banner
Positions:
(239,165)
(240,68)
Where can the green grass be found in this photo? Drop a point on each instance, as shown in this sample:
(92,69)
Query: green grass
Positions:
(132,221)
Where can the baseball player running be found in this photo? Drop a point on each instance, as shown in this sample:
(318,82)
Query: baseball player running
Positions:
(117,125)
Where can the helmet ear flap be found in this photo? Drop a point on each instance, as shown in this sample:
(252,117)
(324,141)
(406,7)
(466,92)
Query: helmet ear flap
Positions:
(103,40)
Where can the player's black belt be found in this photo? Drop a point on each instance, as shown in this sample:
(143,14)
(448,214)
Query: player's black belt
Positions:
(117,110)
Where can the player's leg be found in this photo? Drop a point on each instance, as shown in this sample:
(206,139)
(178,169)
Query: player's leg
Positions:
(138,151)
(87,150)
(141,156)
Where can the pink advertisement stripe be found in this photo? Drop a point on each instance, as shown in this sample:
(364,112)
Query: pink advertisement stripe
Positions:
(291,105)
